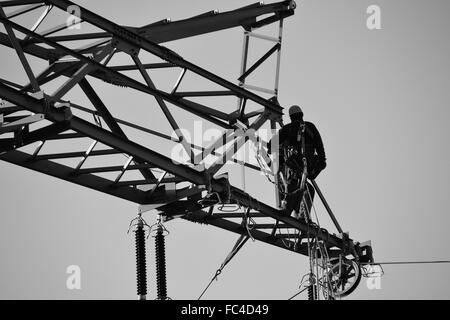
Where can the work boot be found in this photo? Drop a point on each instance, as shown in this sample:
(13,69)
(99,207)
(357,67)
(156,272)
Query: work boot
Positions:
(295,215)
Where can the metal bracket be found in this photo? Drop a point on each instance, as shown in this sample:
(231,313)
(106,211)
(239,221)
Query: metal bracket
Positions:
(125,47)
(37,95)
(147,207)
(20,123)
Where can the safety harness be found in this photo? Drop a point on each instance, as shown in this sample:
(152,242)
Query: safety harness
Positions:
(289,152)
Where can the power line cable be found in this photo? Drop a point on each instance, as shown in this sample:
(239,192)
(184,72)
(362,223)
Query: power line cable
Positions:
(406,262)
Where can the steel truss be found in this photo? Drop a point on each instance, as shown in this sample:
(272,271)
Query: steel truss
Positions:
(180,189)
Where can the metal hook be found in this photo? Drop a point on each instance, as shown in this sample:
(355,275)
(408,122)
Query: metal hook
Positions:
(139,220)
(156,226)
(208,196)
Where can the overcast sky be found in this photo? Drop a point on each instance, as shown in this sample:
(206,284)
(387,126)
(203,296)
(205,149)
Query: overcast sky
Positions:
(378,97)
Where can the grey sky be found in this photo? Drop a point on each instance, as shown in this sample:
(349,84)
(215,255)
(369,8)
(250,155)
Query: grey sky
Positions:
(380,100)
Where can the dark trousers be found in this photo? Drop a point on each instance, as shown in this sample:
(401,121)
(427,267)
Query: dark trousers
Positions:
(295,196)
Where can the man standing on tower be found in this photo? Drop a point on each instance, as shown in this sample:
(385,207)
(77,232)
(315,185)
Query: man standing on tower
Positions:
(301,156)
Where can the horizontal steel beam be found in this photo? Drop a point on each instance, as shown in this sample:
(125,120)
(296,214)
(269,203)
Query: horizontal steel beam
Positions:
(148,181)
(99,134)
(231,215)
(12,3)
(202,217)
(213,21)
(64,172)
(27,138)
(246,200)
(288,236)
(73,135)
(75,154)
(75,37)
(270,226)
(204,93)
(10,110)
(132,67)
(113,168)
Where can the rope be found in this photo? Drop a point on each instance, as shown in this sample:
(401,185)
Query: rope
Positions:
(286,243)
(302,283)
(298,293)
(238,245)
(327,290)
(262,165)
(218,272)
(249,223)
(313,206)
(311,263)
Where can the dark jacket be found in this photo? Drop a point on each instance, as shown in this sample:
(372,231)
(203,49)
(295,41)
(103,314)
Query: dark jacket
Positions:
(315,152)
